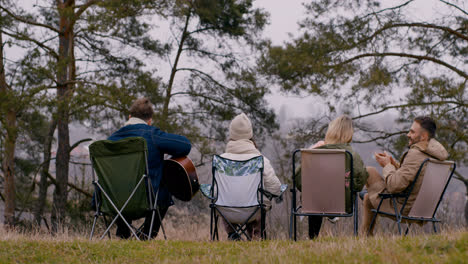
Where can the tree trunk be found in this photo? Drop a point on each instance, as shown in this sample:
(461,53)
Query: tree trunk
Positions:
(63,99)
(466,204)
(8,166)
(165,111)
(466,213)
(43,186)
(8,162)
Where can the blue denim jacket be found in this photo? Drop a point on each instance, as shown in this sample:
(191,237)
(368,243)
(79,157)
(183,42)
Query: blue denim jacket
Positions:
(159,143)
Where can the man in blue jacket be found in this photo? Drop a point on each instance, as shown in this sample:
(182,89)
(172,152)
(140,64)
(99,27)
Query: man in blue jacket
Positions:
(159,143)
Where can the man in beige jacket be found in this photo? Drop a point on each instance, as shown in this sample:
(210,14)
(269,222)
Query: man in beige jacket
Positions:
(398,176)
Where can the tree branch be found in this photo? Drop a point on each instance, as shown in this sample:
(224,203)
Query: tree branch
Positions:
(460,177)
(26,21)
(395,54)
(73,186)
(385,136)
(204,74)
(81,10)
(27,38)
(388,9)
(408,105)
(424,25)
(450,4)
(200,30)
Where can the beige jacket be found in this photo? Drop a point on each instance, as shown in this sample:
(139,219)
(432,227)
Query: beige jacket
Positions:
(398,178)
(244,149)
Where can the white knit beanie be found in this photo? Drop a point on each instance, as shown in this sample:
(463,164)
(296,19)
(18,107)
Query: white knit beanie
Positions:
(240,128)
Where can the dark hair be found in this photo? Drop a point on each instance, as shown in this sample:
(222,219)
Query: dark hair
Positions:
(142,109)
(427,124)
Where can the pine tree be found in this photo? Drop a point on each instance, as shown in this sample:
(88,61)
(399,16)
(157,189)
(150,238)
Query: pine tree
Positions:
(383,59)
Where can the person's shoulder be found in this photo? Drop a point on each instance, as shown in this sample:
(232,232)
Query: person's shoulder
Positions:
(166,136)
(134,127)
(240,156)
(345,146)
(415,154)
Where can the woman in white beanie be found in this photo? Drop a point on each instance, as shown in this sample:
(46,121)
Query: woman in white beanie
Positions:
(242,147)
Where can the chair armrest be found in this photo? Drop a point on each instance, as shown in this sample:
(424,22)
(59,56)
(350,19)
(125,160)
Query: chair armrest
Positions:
(283,188)
(205,190)
(279,197)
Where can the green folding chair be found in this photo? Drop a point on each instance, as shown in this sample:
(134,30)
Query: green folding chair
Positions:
(122,188)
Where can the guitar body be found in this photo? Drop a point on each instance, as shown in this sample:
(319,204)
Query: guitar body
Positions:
(180,178)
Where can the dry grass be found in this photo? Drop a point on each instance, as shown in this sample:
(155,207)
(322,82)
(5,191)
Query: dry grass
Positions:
(187,230)
(448,247)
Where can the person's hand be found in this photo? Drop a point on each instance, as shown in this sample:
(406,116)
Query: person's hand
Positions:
(394,162)
(318,144)
(382,158)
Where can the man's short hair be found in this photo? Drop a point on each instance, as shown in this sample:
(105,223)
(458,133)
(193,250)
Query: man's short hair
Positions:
(427,124)
(142,109)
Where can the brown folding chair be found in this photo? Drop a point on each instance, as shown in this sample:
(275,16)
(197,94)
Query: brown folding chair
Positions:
(436,179)
(323,173)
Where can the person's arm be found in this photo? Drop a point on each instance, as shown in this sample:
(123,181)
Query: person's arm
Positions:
(317,145)
(172,144)
(360,173)
(395,163)
(397,180)
(270,180)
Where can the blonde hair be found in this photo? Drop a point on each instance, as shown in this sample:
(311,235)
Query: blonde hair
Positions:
(340,130)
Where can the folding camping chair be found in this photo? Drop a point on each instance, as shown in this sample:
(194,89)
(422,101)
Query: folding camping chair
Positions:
(122,188)
(323,176)
(435,180)
(236,185)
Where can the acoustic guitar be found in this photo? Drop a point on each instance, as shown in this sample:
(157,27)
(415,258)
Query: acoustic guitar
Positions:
(180,178)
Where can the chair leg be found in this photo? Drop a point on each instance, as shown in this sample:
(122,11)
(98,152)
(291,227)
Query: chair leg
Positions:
(211,225)
(291,225)
(262,226)
(398,218)
(356,218)
(105,222)
(295,227)
(407,229)
(161,223)
(94,225)
(151,224)
(125,221)
(241,229)
(374,217)
(216,233)
(434,227)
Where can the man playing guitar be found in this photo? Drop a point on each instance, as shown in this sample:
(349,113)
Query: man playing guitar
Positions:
(158,143)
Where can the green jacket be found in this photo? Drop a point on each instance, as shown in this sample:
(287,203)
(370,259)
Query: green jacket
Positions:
(359,170)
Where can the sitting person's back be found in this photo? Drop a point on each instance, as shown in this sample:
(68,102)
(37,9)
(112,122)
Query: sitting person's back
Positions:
(241,147)
(359,171)
(158,143)
(339,136)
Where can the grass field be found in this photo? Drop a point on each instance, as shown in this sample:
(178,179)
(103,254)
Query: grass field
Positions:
(444,248)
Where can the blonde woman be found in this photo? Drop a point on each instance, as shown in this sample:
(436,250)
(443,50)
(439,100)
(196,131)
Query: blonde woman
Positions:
(339,136)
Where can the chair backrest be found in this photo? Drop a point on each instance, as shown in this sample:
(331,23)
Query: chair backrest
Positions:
(436,178)
(323,174)
(120,165)
(237,182)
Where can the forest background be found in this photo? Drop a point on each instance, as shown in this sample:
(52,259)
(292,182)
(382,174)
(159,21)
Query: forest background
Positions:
(70,70)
